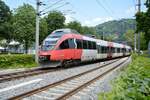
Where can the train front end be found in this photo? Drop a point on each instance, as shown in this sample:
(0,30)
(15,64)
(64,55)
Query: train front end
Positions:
(47,48)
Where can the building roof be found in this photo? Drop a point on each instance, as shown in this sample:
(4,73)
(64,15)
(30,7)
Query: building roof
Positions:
(1,48)
(14,43)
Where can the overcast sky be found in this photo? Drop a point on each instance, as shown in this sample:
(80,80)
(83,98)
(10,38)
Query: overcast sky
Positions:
(88,12)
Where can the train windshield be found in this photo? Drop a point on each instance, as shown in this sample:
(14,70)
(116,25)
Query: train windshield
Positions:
(50,42)
(47,47)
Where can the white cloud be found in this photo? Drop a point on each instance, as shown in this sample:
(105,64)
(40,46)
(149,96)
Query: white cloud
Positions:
(96,21)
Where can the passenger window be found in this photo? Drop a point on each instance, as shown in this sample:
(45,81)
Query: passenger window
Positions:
(64,45)
(79,44)
(99,48)
(94,45)
(103,49)
(113,50)
(118,50)
(71,43)
(108,49)
(89,45)
(85,44)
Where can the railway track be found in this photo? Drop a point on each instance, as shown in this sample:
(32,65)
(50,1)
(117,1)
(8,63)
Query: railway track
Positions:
(68,87)
(27,73)
(21,74)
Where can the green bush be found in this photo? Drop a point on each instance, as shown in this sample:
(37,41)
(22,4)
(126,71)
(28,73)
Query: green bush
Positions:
(17,61)
(133,83)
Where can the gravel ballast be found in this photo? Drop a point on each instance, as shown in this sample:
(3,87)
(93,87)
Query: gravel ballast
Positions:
(43,80)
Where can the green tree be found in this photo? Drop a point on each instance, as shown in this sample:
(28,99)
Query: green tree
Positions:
(43,29)
(55,20)
(110,37)
(76,26)
(143,41)
(143,22)
(5,22)
(88,30)
(129,37)
(5,13)
(24,25)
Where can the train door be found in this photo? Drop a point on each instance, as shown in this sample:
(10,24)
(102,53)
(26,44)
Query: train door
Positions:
(67,49)
(72,47)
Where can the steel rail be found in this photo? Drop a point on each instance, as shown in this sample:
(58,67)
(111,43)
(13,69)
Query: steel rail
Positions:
(17,75)
(79,88)
(35,91)
(32,72)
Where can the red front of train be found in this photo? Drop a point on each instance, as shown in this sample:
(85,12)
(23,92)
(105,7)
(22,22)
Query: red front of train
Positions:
(59,46)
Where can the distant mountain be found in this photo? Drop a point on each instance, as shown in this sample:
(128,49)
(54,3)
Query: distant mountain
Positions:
(118,27)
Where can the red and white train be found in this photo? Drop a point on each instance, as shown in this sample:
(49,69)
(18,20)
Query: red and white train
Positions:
(67,45)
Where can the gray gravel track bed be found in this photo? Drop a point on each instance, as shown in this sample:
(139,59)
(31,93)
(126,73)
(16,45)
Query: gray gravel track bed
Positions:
(45,80)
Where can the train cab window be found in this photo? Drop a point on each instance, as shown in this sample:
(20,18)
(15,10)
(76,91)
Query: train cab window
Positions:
(79,44)
(64,45)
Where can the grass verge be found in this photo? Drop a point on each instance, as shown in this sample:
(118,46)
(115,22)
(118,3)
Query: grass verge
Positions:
(16,61)
(133,83)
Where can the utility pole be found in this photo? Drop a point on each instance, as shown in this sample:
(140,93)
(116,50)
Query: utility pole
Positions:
(139,10)
(135,42)
(135,36)
(37,32)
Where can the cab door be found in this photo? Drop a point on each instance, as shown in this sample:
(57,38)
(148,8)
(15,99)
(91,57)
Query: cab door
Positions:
(67,49)
(71,50)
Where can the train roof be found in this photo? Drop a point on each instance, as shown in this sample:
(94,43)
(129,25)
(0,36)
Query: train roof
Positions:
(66,30)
